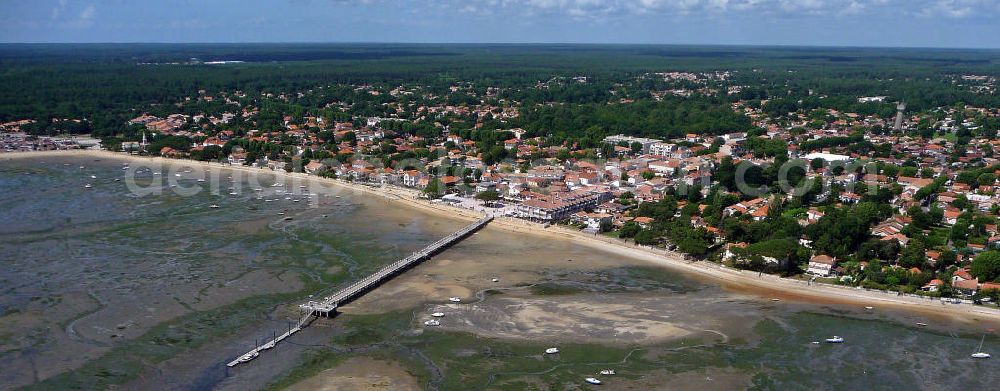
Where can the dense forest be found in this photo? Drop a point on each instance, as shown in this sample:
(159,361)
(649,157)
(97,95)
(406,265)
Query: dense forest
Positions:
(106,84)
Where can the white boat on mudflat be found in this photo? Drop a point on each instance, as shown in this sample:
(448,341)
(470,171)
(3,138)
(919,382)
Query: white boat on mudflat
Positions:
(432,322)
(455,299)
(835,339)
(551,350)
(592,380)
(608,372)
(438,314)
(980,354)
(249,356)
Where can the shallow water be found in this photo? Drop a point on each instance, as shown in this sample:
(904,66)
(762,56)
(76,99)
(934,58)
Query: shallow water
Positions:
(103,286)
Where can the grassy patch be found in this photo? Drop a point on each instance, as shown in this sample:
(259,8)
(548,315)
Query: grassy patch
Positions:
(553,289)
(312,362)
(938,236)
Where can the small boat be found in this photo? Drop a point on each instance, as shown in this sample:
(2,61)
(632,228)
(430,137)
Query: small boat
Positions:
(118,179)
(775,299)
(815,342)
(921,324)
(81,167)
(608,372)
(551,350)
(835,339)
(214,206)
(432,322)
(201,180)
(88,186)
(233,193)
(869,308)
(454,299)
(438,314)
(93,177)
(249,356)
(979,353)
(496,280)
(592,380)
(177,175)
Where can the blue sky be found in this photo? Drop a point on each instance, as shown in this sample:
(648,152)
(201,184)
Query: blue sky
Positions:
(920,23)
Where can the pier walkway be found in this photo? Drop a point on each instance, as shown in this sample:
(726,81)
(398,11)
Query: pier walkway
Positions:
(327,306)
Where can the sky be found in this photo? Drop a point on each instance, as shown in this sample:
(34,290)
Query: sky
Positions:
(892,23)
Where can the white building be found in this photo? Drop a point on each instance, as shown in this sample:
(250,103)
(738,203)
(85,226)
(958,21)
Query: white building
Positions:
(829,157)
(821,265)
(620,138)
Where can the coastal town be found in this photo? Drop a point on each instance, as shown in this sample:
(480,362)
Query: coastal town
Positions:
(888,199)
(500,195)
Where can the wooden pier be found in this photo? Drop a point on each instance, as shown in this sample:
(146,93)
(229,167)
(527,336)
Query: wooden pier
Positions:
(328,306)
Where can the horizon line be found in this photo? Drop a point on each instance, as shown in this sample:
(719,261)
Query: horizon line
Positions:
(759,45)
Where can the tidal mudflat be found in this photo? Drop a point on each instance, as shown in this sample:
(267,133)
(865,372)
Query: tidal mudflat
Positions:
(102,275)
(103,287)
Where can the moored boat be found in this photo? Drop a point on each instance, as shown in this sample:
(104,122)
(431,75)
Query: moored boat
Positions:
(979,353)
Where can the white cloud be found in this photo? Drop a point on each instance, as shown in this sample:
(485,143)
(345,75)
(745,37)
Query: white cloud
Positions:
(58,9)
(602,8)
(960,8)
(88,13)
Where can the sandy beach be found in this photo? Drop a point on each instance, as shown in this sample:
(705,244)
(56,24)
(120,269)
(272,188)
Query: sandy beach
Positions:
(743,282)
